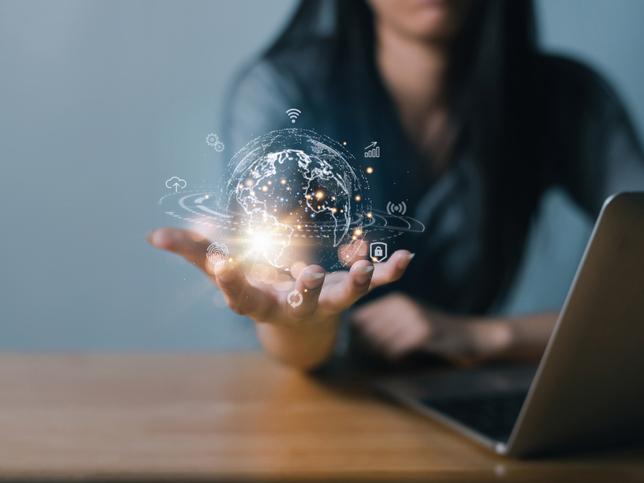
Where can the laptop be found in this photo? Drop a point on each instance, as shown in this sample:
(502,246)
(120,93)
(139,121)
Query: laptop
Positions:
(588,389)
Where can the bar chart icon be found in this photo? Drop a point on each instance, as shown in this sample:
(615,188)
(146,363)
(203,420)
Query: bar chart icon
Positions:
(372,151)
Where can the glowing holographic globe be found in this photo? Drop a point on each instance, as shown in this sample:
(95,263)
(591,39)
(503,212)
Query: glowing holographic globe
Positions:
(295,184)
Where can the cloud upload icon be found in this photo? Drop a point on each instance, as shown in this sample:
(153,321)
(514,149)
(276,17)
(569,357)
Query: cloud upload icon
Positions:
(176,183)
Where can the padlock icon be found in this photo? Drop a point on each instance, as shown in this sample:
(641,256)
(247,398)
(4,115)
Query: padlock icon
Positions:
(378,251)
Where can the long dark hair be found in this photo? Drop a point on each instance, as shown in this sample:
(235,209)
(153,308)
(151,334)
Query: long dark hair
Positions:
(492,97)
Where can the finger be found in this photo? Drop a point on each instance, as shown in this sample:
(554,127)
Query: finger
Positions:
(265,274)
(380,326)
(388,337)
(333,278)
(401,344)
(368,312)
(297,268)
(376,334)
(352,252)
(370,328)
(303,300)
(342,295)
(241,296)
(189,244)
(392,269)
(392,328)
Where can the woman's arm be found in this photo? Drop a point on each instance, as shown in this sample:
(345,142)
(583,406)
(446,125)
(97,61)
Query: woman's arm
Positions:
(599,151)
(528,335)
(305,346)
(398,326)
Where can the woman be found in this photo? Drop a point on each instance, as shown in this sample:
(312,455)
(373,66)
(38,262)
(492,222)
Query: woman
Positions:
(475,123)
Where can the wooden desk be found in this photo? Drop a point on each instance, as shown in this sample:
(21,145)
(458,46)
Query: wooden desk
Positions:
(235,417)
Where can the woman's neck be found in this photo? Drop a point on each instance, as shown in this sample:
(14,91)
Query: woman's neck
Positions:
(413,71)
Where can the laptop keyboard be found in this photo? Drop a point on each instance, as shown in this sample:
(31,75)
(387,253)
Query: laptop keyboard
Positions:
(491,415)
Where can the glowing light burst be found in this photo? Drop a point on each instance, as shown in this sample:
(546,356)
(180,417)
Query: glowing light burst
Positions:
(266,243)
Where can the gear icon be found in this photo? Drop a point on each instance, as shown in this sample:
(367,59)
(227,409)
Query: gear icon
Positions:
(213,141)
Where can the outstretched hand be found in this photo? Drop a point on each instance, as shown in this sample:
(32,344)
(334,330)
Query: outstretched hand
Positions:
(324,295)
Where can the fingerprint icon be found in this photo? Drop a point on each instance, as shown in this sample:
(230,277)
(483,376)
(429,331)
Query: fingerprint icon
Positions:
(397,208)
(217,251)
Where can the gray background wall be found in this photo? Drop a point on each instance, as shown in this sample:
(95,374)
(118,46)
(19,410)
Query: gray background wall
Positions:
(101,101)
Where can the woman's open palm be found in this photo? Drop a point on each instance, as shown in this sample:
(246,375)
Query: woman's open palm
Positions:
(320,295)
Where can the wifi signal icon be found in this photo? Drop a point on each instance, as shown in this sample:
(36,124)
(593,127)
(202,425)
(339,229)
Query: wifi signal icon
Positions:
(293,114)
(397,208)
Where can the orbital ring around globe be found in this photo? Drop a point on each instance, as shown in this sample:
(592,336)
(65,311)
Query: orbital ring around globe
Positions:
(198,207)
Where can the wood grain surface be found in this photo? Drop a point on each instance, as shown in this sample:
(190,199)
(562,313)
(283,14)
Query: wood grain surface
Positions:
(236,417)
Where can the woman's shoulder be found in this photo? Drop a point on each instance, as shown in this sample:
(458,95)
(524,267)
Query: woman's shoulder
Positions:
(293,76)
(570,69)
(587,131)
(307,58)
(570,84)
(289,70)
